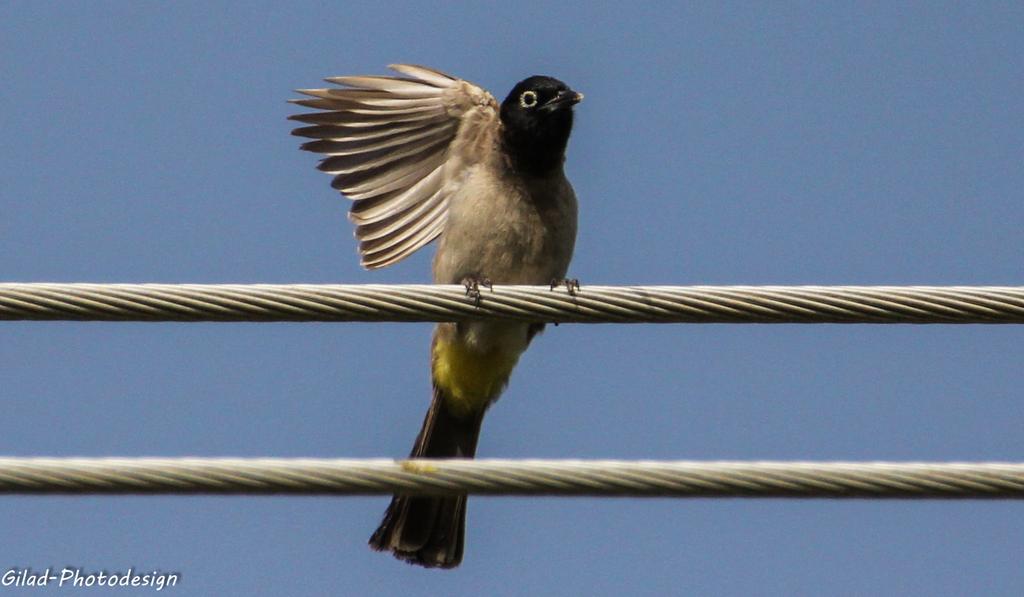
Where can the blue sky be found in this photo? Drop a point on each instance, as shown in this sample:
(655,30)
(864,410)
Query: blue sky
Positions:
(787,143)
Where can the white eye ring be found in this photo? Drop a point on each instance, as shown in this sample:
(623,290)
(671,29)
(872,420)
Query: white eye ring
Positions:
(528,99)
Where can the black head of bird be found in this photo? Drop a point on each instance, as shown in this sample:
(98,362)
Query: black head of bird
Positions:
(536,120)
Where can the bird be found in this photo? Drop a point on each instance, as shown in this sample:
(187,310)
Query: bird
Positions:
(424,156)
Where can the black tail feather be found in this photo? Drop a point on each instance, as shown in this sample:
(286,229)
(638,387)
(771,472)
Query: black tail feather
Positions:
(423,530)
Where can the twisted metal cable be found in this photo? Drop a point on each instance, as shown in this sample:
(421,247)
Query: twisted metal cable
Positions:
(591,304)
(511,477)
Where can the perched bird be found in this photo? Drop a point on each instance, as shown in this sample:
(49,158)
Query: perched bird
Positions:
(427,155)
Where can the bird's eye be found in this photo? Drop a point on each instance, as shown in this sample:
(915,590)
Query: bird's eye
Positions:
(528,99)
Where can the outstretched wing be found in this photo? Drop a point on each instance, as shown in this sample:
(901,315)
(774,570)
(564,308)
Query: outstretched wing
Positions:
(398,147)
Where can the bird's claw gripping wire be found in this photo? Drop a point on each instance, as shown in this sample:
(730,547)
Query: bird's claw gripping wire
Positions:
(473,284)
(572,285)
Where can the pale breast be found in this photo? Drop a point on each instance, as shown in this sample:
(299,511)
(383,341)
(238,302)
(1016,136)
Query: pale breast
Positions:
(508,230)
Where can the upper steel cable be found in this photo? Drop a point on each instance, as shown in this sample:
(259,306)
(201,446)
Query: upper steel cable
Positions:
(591,304)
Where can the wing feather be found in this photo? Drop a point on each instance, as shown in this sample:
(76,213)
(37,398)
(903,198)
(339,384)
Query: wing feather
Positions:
(395,179)
(380,158)
(384,206)
(387,224)
(425,74)
(371,132)
(390,144)
(351,118)
(386,251)
(370,182)
(336,147)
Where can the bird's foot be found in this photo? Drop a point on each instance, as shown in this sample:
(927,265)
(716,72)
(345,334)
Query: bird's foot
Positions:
(473,284)
(572,285)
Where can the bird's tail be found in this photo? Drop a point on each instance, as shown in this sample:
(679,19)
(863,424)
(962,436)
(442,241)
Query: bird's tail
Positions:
(428,530)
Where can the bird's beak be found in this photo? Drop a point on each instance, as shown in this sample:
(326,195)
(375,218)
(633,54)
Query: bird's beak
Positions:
(564,98)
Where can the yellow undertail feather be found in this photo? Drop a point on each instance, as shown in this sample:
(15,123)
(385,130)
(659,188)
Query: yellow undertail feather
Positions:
(470,380)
